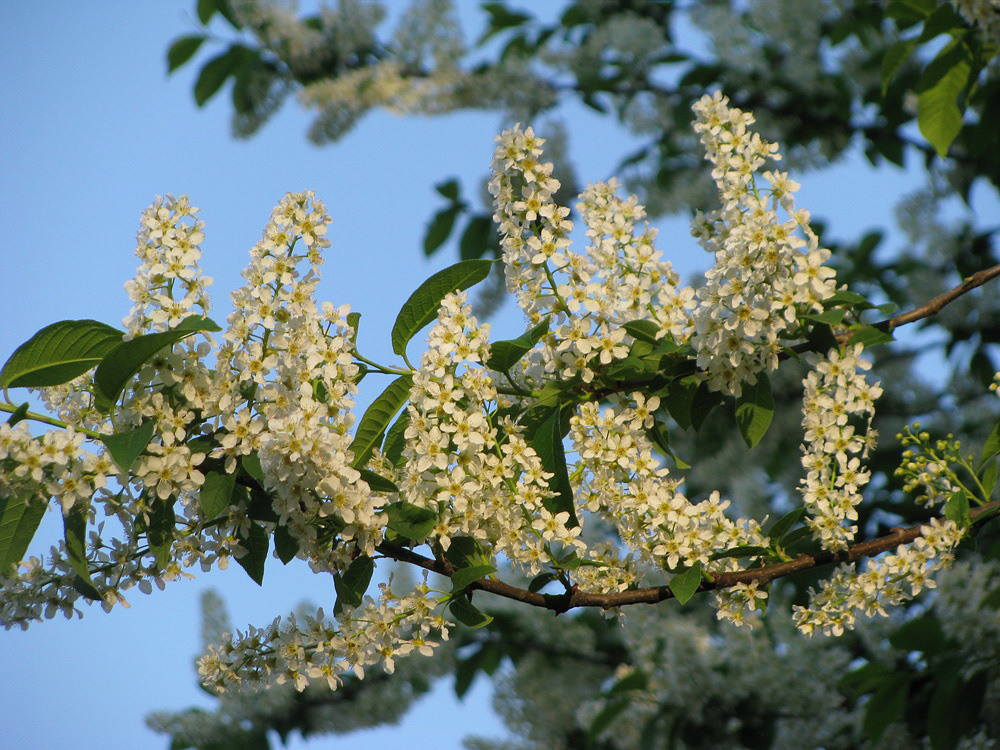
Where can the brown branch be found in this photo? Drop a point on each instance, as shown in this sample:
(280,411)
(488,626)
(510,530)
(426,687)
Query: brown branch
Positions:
(937,303)
(560,603)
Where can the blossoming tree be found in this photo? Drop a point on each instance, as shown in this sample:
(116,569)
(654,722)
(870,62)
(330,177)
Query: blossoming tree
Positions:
(546,458)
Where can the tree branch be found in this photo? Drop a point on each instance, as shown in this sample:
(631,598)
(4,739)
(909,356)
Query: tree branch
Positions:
(560,603)
(937,303)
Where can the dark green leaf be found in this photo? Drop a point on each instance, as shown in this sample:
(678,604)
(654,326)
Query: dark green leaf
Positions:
(503,354)
(19,414)
(448,189)
(422,306)
(216,493)
(439,228)
(894,58)
(467,613)
(466,552)
(605,716)
(353,583)
(255,542)
(251,465)
(58,353)
(461,579)
(886,705)
(541,581)
(545,437)
(19,520)
(755,409)
(126,447)
(847,297)
(477,239)
(957,508)
(395,438)
(922,633)
(680,399)
(377,482)
(215,72)
(285,544)
(377,417)
(160,532)
(206,9)
(410,521)
(991,447)
(871,335)
(705,399)
(634,680)
(643,330)
(75,525)
(989,478)
(785,523)
(124,360)
(684,585)
(182,50)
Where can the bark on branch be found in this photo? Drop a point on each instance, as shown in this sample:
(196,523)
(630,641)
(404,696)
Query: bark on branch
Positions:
(560,603)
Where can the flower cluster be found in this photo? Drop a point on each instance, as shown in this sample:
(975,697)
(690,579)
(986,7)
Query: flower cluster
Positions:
(837,407)
(320,650)
(887,581)
(765,275)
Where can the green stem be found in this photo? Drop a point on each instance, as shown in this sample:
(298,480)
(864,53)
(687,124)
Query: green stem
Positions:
(11,408)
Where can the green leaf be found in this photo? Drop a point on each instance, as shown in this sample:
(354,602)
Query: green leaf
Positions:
(504,354)
(894,58)
(58,353)
(461,579)
(467,613)
(215,72)
(448,189)
(410,521)
(643,330)
(75,526)
(944,79)
(871,335)
(377,482)
(991,447)
(160,532)
(832,317)
(989,478)
(604,718)
(353,583)
(286,545)
(124,360)
(251,465)
(255,542)
(395,439)
(439,228)
(755,409)
(19,414)
(182,50)
(785,523)
(955,708)
(845,296)
(545,437)
(19,520)
(680,399)
(377,418)
(922,633)
(422,306)
(705,399)
(957,508)
(684,585)
(541,581)
(634,680)
(477,238)
(206,9)
(466,552)
(886,705)
(126,447)
(216,493)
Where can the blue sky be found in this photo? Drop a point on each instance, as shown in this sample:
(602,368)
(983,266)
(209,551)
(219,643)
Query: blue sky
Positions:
(93,130)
